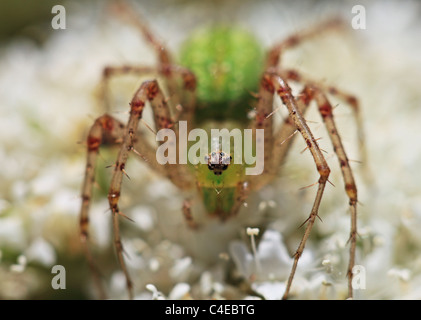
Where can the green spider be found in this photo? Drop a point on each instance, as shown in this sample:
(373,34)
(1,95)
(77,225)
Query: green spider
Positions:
(212,88)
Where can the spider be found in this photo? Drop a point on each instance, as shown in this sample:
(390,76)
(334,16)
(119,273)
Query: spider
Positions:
(220,67)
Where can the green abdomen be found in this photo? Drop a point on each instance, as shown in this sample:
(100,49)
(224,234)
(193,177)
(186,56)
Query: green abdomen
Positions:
(227,63)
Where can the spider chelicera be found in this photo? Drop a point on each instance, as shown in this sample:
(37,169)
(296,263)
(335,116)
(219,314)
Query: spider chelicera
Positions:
(219,68)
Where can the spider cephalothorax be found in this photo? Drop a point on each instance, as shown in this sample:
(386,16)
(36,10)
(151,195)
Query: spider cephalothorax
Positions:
(227,64)
(218,162)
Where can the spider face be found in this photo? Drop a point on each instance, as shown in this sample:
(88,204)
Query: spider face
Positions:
(218,162)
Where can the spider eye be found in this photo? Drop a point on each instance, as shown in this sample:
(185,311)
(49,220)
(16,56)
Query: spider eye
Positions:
(218,162)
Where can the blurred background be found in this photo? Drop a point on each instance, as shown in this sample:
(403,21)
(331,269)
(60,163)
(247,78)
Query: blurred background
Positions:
(49,82)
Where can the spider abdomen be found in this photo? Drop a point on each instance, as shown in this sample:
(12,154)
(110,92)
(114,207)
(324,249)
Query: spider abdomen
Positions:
(227,63)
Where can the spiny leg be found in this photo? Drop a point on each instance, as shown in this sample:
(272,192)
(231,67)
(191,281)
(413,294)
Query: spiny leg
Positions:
(314,91)
(263,121)
(126,12)
(274,54)
(283,141)
(188,215)
(129,14)
(179,173)
(274,83)
(283,137)
(325,110)
(277,143)
(148,91)
(183,111)
(265,101)
(184,104)
(188,96)
(108,130)
(349,99)
(166,67)
(181,99)
(105,130)
(110,72)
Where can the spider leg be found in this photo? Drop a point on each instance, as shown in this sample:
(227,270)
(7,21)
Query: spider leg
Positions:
(183,112)
(276,145)
(108,131)
(325,110)
(165,62)
(110,72)
(349,99)
(274,54)
(105,130)
(283,138)
(282,142)
(188,215)
(185,104)
(315,91)
(148,91)
(127,13)
(188,97)
(262,121)
(178,174)
(275,83)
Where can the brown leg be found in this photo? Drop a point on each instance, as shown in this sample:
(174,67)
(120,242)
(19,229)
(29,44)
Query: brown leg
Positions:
(275,83)
(105,130)
(111,72)
(349,99)
(276,146)
(188,215)
(274,54)
(166,66)
(263,121)
(325,110)
(129,15)
(283,138)
(315,91)
(309,93)
(148,91)
(183,111)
